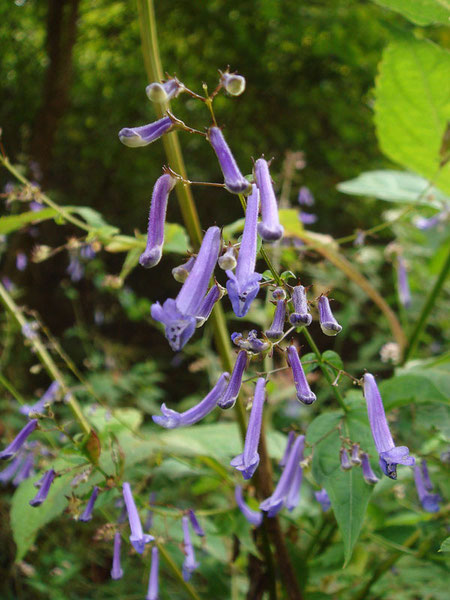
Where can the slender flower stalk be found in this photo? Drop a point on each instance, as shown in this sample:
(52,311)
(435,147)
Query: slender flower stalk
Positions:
(157,217)
(42,494)
(233,83)
(301,314)
(48,397)
(404,293)
(276,330)
(367,470)
(19,440)
(153,584)
(254,517)
(346,465)
(389,454)
(172,419)
(87,513)
(248,461)
(429,502)
(287,450)
(163,92)
(328,323)
(243,286)
(229,397)
(136,137)
(190,564)
(323,499)
(138,538)
(116,571)
(198,529)
(269,229)
(304,393)
(181,272)
(206,307)
(235,182)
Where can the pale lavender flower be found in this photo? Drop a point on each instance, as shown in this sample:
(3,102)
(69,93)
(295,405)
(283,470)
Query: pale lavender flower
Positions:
(42,494)
(153,584)
(206,307)
(304,393)
(248,461)
(426,475)
(290,441)
(233,83)
(305,197)
(179,315)
(189,564)
(229,397)
(8,473)
(19,440)
(355,459)
(235,182)
(163,92)
(116,571)
(136,137)
(254,517)
(328,323)
(390,455)
(75,268)
(25,471)
(21,261)
(181,272)
(346,465)
(29,330)
(8,284)
(307,218)
(293,495)
(228,261)
(36,206)
(323,499)
(359,239)
(138,538)
(47,398)
(172,419)
(251,342)
(276,330)
(156,220)
(198,529)
(301,314)
(269,229)
(425,224)
(87,513)
(243,286)
(367,470)
(404,293)
(429,502)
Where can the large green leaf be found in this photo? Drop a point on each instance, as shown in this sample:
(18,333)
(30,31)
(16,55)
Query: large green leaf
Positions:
(12,223)
(422,12)
(413,106)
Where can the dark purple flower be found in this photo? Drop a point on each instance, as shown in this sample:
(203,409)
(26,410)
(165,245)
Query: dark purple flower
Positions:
(243,286)
(135,137)
(390,455)
(254,517)
(138,538)
(229,397)
(190,564)
(156,220)
(87,513)
(205,310)
(153,584)
(87,252)
(323,499)
(429,502)
(367,471)
(19,440)
(233,83)
(276,330)
(307,218)
(290,441)
(301,314)
(305,198)
(304,393)
(235,182)
(172,419)
(163,92)
(25,471)
(181,272)
(269,229)
(404,292)
(248,461)
(116,571)
(328,323)
(346,465)
(8,473)
(198,530)
(21,261)
(42,494)
(251,342)
(228,261)
(47,398)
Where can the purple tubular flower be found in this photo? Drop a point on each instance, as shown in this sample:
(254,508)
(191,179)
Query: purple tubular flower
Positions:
(135,137)
(87,252)
(21,261)
(248,461)
(75,269)
(243,286)
(367,470)
(157,217)
(138,538)
(163,92)
(87,513)
(307,218)
(251,343)
(47,398)
(304,393)
(254,517)
(42,494)
(328,323)
(172,419)
(116,571)
(277,327)
(305,198)
(278,294)
(274,503)
(25,471)
(190,564)
(229,397)
(323,499)
(153,584)
(269,229)
(429,502)
(354,459)
(181,272)
(404,292)
(301,314)
(390,455)
(198,529)
(293,495)
(287,450)
(205,310)
(233,84)
(426,476)
(19,440)
(8,473)
(228,261)
(346,465)
(235,182)
(179,315)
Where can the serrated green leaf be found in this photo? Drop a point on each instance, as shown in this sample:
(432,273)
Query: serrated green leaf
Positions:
(421,12)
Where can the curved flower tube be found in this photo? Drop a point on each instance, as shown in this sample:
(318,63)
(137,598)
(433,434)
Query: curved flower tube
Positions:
(269,229)
(304,393)
(254,517)
(235,182)
(136,137)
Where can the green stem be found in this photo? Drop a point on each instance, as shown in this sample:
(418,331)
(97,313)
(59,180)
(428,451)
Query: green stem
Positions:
(429,303)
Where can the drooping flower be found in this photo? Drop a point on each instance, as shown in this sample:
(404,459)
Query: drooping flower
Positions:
(47,398)
(301,314)
(307,218)
(87,513)
(323,499)
(136,137)
(138,538)
(157,217)
(390,455)
(44,489)
(328,323)
(269,229)
(346,465)
(165,91)
(293,495)
(179,315)
(149,519)
(181,272)
(429,501)
(252,342)
(228,261)
(287,450)
(243,285)
(233,83)
(206,307)
(198,529)
(367,470)
(19,440)
(229,397)
(426,475)
(248,461)
(304,393)
(116,571)
(276,330)
(189,564)
(305,198)
(279,294)
(404,293)
(75,268)
(355,459)
(425,224)
(172,419)
(21,261)
(235,182)
(8,472)
(25,470)
(153,583)
(254,517)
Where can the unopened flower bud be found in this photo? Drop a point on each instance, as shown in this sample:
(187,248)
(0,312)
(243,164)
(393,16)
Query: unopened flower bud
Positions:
(163,92)
(181,272)
(234,84)
(228,261)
